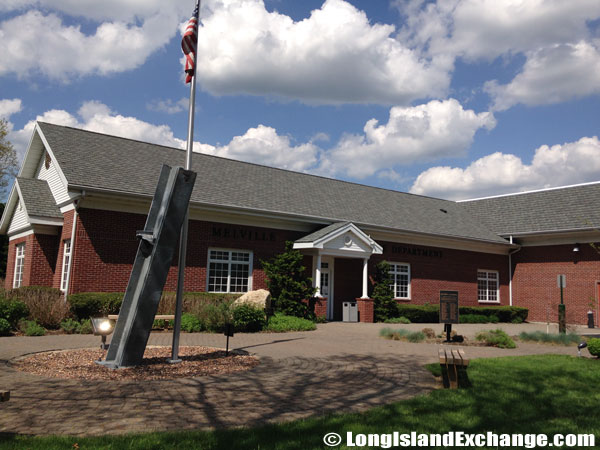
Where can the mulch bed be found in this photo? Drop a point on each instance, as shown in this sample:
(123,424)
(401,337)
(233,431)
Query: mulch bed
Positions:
(80,364)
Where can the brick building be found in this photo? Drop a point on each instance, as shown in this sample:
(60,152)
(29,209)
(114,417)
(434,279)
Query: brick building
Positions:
(80,196)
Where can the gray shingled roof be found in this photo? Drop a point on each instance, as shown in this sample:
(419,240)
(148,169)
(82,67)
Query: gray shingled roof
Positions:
(568,208)
(38,198)
(94,160)
(322,232)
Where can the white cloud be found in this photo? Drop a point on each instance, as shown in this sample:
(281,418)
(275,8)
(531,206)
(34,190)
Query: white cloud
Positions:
(34,43)
(334,56)
(168,106)
(9,107)
(486,29)
(499,173)
(260,145)
(551,75)
(420,133)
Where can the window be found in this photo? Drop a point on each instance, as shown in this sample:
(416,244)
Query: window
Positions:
(229,271)
(66,265)
(19,264)
(400,274)
(487,286)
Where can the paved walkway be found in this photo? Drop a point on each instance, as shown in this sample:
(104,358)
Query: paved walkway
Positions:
(338,368)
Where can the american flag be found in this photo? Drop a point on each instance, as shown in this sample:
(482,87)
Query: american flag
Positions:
(188,44)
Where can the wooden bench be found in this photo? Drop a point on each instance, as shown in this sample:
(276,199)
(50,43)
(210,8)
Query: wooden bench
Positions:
(454,365)
(4,396)
(157,317)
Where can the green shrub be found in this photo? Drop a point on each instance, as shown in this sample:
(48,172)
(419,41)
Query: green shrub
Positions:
(214,316)
(402,319)
(289,284)
(430,313)
(560,338)
(281,323)
(593,345)
(86,327)
(190,323)
(247,318)
(13,311)
(477,318)
(192,301)
(4,327)
(70,326)
(402,335)
(46,305)
(162,324)
(384,305)
(496,338)
(92,304)
(32,328)
(420,313)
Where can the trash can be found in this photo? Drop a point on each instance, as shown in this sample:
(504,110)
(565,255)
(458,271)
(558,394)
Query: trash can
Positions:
(350,312)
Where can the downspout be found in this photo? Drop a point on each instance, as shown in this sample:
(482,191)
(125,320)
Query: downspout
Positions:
(510,274)
(72,259)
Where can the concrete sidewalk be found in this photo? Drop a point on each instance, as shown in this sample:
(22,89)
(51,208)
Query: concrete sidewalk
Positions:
(340,367)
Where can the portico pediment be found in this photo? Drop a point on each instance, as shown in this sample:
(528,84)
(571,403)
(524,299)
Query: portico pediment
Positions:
(340,239)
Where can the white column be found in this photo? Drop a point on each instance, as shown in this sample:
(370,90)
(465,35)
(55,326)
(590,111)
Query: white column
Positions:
(365,278)
(318,275)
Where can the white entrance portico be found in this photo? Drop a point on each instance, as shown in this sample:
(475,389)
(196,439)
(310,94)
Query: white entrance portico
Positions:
(338,240)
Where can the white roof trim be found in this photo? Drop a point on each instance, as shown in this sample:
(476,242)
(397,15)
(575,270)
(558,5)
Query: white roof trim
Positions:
(528,192)
(49,150)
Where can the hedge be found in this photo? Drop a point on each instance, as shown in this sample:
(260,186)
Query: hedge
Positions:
(431,313)
(90,304)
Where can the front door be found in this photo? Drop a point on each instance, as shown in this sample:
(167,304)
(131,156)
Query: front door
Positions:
(327,283)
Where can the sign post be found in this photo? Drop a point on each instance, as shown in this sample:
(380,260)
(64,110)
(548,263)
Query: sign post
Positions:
(448,311)
(561,280)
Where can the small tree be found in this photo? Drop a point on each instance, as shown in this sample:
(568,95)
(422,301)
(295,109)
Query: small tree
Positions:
(291,289)
(384,305)
(8,158)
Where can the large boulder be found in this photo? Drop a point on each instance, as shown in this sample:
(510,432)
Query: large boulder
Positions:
(260,299)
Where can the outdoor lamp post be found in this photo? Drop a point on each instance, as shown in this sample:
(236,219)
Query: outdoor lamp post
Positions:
(102,326)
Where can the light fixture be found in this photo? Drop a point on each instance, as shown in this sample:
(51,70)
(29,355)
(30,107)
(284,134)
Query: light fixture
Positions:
(102,326)
(576,248)
(580,346)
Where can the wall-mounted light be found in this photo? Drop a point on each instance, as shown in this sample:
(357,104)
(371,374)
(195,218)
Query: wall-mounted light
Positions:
(576,248)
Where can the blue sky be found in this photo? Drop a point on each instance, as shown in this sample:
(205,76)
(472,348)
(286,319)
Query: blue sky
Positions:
(448,98)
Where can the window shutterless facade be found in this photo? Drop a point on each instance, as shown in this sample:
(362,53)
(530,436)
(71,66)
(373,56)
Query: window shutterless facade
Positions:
(488,286)
(400,274)
(229,270)
(19,265)
(66,264)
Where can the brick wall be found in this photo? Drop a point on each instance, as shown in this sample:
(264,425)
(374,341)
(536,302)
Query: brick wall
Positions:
(40,260)
(106,247)
(434,269)
(535,285)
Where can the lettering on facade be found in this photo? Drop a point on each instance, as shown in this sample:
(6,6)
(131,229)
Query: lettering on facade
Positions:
(241,234)
(415,251)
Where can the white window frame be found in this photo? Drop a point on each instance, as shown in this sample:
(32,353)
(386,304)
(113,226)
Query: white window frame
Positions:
(19,265)
(66,264)
(487,279)
(393,271)
(228,262)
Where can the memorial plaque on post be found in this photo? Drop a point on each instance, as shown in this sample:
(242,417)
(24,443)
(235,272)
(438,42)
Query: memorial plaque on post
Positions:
(448,306)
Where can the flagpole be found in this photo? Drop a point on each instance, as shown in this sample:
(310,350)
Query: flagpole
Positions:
(184,228)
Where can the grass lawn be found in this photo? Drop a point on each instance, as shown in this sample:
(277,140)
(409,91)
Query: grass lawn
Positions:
(548,394)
